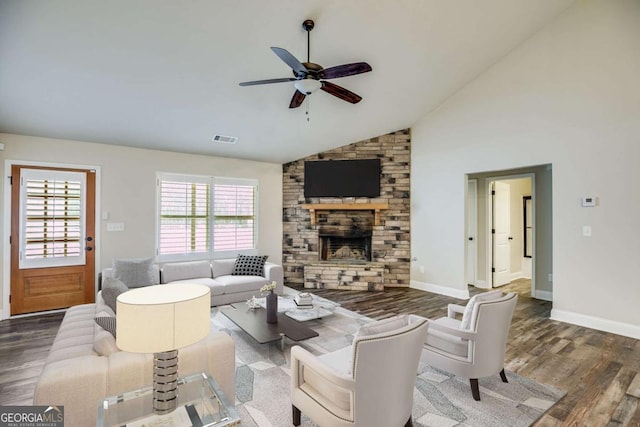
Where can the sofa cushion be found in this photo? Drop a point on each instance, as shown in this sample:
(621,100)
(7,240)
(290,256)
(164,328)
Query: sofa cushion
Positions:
(135,272)
(216,287)
(223,267)
(111,288)
(235,284)
(185,270)
(249,265)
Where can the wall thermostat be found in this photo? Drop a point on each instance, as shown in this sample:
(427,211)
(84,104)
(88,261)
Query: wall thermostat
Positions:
(588,201)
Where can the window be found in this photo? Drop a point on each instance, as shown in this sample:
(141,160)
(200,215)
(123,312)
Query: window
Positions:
(233,216)
(201,217)
(51,218)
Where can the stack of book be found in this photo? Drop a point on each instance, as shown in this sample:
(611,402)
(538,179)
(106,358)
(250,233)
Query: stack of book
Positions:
(303,300)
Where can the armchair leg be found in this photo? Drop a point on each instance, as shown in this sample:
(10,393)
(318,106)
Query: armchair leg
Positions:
(475,389)
(409,423)
(296,415)
(503,376)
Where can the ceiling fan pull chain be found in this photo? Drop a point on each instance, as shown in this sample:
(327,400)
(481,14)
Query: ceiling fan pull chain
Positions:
(307,111)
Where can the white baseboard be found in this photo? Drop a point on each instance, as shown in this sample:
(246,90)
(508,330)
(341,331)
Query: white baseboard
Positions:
(606,325)
(544,295)
(482,284)
(2,314)
(515,275)
(439,289)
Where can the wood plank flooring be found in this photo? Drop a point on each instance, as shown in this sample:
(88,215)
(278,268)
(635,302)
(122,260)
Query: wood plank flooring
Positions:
(599,371)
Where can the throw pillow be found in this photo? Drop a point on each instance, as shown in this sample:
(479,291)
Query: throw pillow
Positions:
(108,323)
(249,265)
(135,272)
(104,343)
(468,310)
(111,288)
(382,326)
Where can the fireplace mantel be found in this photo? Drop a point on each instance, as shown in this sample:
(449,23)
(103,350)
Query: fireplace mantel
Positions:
(375,207)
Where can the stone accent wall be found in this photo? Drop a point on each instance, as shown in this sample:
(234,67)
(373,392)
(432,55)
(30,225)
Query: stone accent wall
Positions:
(391,241)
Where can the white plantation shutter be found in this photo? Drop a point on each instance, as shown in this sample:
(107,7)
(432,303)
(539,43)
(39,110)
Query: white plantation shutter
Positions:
(51,218)
(234,215)
(184,226)
(203,216)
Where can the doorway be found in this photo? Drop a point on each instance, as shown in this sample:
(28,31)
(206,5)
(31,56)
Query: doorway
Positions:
(531,244)
(52,256)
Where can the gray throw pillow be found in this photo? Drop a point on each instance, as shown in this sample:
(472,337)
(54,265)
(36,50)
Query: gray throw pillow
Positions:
(135,272)
(249,265)
(111,288)
(108,323)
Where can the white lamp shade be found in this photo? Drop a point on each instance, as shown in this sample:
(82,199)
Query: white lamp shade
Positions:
(307,86)
(161,318)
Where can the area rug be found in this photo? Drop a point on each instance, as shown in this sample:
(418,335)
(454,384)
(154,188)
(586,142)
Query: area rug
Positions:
(440,399)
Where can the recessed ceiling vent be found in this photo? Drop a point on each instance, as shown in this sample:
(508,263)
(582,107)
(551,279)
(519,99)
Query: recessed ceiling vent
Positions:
(225,139)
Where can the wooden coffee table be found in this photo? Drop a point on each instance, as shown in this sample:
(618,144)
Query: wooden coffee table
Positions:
(254,323)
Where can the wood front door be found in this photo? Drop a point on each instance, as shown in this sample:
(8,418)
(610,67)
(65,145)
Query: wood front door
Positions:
(52,238)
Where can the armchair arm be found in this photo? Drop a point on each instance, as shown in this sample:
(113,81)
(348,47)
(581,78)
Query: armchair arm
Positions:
(301,357)
(452,309)
(459,333)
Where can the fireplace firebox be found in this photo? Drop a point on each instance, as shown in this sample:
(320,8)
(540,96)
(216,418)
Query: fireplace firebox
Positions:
(345,247)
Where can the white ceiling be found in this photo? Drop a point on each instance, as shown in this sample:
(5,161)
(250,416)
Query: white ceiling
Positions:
(164,74)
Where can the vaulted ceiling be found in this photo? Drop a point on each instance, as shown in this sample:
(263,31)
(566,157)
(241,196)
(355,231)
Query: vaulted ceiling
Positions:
(164,74)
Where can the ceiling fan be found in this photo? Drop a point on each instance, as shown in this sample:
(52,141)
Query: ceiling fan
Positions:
(309,77)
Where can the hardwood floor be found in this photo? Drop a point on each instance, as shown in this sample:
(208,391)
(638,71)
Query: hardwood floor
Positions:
(599,371)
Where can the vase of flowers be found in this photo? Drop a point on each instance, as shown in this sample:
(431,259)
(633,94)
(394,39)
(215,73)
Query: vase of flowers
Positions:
(272,302)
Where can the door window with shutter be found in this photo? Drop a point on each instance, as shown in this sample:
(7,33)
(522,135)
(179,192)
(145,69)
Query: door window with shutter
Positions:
(52,225)
(205,217)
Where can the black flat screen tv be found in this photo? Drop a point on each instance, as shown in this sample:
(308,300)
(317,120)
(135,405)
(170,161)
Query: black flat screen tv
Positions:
(342,178)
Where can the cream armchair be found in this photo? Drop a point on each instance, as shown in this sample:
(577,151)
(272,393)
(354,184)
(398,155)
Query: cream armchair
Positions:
(474,346)
(369,383)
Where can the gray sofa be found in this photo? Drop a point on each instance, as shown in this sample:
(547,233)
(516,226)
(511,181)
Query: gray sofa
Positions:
(84,365)
(226,288)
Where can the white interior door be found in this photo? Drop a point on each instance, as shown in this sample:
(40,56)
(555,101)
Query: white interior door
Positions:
(472,231)
(501,233)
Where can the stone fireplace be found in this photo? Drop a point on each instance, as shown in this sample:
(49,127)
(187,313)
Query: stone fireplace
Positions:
(351,243)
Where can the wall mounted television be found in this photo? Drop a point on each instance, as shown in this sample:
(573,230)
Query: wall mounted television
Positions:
(342,178)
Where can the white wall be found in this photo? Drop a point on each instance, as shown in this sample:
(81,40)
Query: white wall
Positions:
(568,96)
(128,190)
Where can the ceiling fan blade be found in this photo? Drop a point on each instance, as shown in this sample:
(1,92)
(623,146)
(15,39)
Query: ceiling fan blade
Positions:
(290,60)
(264,82)
(298,98)
(345,70)
(341,92)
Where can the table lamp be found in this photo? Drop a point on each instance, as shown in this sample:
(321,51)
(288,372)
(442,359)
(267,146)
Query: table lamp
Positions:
(161,319)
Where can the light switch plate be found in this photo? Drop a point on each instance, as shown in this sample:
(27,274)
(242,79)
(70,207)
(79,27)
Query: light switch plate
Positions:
(115,226)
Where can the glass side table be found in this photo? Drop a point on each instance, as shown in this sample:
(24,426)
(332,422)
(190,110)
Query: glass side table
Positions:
(200,403)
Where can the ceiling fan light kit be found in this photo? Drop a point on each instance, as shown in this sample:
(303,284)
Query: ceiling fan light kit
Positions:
(307,86)
(309,77)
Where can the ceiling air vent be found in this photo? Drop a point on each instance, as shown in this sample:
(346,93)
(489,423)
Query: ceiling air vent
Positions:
(225,139)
